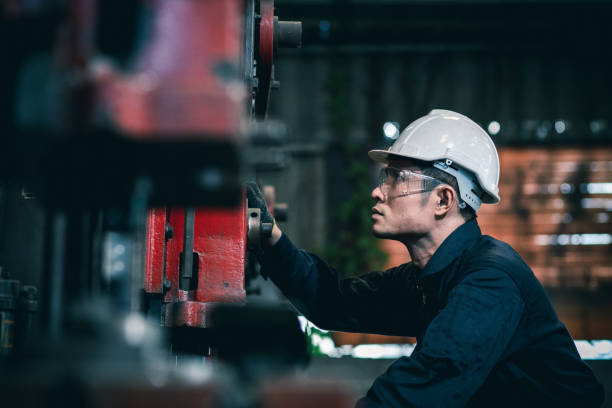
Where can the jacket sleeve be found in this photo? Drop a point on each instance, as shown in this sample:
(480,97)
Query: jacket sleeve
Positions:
(361,304)
(461,346)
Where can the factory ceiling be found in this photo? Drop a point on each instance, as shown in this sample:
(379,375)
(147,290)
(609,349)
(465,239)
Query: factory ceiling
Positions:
(425,26)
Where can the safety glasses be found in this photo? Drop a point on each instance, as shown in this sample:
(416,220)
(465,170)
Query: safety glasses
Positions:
(395,182)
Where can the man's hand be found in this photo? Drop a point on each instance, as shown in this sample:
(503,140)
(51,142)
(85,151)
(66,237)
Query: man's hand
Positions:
(257,200)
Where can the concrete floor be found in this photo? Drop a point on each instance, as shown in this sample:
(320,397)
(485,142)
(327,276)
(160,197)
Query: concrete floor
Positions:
(359,374)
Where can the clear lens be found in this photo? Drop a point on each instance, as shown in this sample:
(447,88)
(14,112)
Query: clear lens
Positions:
(394,182)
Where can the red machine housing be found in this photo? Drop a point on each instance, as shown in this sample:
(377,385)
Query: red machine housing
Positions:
(187,82)
(220,252)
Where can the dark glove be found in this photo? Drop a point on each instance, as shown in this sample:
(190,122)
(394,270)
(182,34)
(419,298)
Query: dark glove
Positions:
(257,200)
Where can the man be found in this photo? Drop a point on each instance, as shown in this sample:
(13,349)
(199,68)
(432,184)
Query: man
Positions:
(487,335)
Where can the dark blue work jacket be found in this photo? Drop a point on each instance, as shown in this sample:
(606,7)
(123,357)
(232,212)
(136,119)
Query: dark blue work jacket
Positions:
(486,332)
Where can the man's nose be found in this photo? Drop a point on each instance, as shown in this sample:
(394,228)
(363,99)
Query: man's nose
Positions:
(377,194)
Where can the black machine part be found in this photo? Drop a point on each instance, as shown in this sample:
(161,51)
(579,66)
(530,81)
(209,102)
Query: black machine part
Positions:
(9,294)
(18,309)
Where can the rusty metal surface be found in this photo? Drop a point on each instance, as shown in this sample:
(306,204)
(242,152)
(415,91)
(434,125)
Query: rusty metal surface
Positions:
(176,217)
(154,261)
(220,244)
(222,248)
(187,313)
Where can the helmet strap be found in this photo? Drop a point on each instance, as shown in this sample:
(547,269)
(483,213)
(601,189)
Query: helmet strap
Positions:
(469,190)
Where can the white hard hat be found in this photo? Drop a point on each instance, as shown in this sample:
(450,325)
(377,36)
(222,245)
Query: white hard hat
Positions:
(456,145)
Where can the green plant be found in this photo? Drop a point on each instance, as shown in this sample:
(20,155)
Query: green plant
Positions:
(354,249)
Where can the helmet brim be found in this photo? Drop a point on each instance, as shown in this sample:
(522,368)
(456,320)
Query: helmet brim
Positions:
(381,156)
(385,156)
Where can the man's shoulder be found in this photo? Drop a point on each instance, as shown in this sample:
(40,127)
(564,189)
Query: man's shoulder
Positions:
(395,275)
(490,249)
(491,253)
(407,268)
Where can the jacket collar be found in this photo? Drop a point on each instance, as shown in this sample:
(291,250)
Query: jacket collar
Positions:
(451,248)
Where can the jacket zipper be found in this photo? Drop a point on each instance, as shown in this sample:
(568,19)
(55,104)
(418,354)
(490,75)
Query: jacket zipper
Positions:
(420,289)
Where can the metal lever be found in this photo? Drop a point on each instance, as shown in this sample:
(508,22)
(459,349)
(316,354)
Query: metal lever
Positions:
(257,230)
(186,273)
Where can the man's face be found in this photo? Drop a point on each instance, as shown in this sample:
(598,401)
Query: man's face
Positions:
(397,214)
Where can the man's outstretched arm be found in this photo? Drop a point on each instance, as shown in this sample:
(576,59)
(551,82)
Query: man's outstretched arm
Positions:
(361,304)
(367,303)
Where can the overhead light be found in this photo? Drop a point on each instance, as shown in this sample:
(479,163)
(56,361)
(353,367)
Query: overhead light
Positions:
(543,129)
(560,126)
(597,126)
(391,130)
(494,127)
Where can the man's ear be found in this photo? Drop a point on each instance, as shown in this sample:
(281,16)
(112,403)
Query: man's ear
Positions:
(445,199)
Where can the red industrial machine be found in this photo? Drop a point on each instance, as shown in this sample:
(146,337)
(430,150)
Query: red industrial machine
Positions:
(202,77)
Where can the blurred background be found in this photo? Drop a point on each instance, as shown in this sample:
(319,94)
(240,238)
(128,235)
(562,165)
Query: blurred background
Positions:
(106,115)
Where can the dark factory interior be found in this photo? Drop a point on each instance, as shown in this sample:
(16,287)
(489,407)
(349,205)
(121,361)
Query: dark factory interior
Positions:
(137,131)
